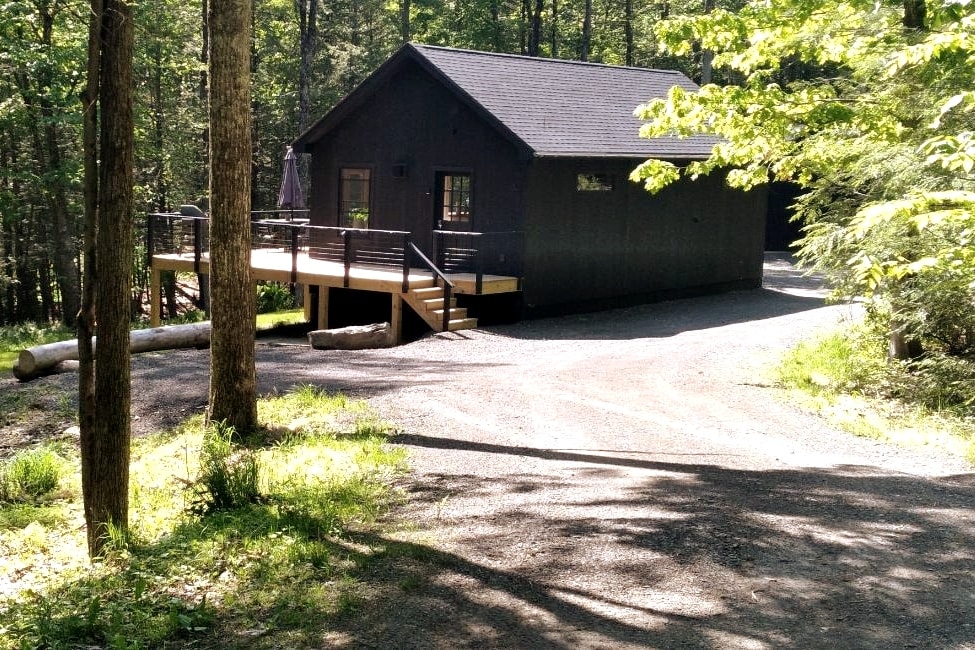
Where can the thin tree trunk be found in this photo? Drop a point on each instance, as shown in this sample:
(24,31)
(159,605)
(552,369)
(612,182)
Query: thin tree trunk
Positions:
(628,32)
(404,21)
(308,35)
(233,381)
(535,35)
(86,315)
(915,14)
(586,32)
(555,29)
(495,26)
(707,56)
(105,450)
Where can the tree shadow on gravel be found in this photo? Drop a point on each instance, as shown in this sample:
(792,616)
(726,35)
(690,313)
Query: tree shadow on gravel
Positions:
(794,558)
(665,319)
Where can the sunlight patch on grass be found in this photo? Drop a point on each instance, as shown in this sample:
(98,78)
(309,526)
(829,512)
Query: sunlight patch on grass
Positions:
(275,569)
(274,319)
(839,374)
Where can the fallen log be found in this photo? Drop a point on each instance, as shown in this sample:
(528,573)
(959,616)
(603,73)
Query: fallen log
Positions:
(354,337)
(43,359)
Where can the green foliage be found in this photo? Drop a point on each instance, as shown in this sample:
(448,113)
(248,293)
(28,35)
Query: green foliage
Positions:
(30,474)
(272,297)
(879,134)
(279,567)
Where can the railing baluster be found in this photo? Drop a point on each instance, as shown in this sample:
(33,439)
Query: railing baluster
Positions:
(197,244)
(478,263)
(150,239)
(446,306)
(406,262)
(294,254)
(347,241)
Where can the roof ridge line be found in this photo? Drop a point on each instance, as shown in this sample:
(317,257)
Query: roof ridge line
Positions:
(542,59)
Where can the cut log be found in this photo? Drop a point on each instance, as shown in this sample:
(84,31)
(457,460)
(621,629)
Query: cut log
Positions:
(42,359)
(355,337)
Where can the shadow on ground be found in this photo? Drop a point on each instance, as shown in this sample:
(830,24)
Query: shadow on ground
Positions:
(798,558)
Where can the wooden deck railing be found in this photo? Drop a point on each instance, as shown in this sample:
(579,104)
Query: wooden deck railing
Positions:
(498,253)
(455,252)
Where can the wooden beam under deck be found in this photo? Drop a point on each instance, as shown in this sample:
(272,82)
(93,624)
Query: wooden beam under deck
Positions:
(276,265)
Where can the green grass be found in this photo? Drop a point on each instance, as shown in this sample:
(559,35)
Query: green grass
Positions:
(274,319)
(14,338)
(844,375)
(272,571)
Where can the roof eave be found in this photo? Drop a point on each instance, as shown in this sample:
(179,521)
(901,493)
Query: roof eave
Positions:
(635,155)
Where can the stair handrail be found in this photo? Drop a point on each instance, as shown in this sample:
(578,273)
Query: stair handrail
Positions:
(437,273)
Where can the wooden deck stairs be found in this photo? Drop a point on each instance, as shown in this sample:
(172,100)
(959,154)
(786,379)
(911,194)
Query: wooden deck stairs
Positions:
(428,303)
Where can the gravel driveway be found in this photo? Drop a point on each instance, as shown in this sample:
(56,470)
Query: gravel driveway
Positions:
(628,479)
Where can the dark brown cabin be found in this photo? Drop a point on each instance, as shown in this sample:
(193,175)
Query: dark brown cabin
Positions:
(529,158)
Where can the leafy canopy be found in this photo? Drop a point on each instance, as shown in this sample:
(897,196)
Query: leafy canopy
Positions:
(873,119)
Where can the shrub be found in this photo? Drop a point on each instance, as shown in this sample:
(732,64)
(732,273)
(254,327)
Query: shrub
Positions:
(273,296)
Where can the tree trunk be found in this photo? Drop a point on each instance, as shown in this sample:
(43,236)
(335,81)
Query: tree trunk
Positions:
(535,35)
(586,32)
(233,381)
(105,448)
(404,21)
(707,56)
(915,14)
(308,35)
(901,345)
(628,32)
(555,29)
(43,125)
(495,26)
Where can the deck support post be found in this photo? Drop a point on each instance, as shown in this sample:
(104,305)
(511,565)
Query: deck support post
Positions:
(322,316)
(306,302)
(396,319)
(155,297)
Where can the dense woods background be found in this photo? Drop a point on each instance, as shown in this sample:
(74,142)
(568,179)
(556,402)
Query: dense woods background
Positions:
(305,56)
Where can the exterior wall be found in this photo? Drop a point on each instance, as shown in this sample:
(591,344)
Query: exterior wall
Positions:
(598,249)
(416,121)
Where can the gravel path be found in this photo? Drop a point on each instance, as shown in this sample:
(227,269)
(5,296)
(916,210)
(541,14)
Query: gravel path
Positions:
(628,479)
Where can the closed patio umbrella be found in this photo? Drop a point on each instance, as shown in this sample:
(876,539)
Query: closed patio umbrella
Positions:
(290,195)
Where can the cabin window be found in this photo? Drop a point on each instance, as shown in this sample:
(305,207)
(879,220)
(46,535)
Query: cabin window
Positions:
(454,209)
(354,186)
(594,183)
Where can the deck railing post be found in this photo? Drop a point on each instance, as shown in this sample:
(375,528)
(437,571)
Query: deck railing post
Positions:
(437,248)
(150,239)
(347,242)
(406,262)
(446,307)
(478,263)
(197,244)
(294,253)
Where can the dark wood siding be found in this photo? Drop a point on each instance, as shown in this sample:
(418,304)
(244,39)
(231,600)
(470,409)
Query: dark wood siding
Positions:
(603,248)
(418,123)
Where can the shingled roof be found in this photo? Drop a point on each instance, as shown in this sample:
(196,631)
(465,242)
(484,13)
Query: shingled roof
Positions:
(550,107)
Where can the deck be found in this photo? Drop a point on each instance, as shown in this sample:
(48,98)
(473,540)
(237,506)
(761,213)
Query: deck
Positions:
(364,260)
